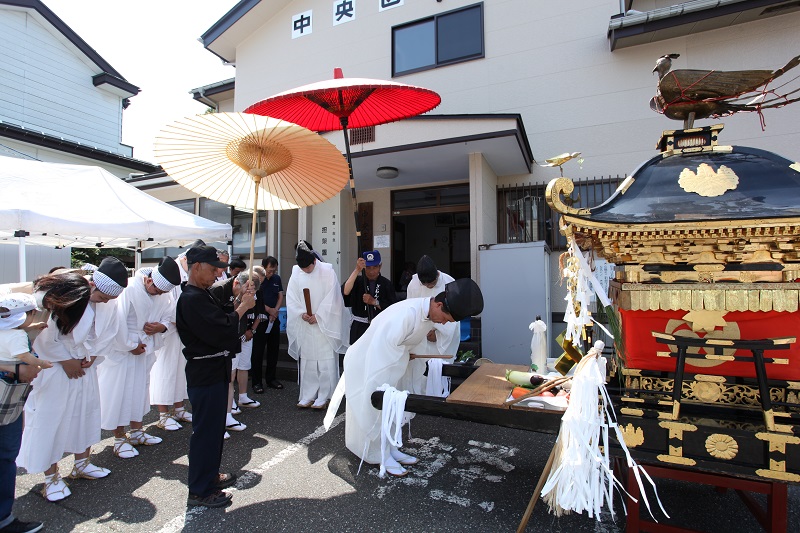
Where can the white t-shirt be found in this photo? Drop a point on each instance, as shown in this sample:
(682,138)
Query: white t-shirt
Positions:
(13,343)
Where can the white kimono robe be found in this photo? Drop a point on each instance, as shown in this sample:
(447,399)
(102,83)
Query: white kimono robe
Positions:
(124,378)
(448,337)
(317,345)
(62,415)
(379,357)
(168,375)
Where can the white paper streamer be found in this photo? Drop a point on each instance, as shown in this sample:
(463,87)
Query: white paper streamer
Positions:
(582,478)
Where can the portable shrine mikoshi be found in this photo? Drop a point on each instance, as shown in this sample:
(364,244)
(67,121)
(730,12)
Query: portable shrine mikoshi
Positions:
(705,241)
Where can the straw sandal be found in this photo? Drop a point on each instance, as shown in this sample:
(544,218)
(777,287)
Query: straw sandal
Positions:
(140,438)
(54,488)
(182,415)
(123,448)
(167,422)
(84,469)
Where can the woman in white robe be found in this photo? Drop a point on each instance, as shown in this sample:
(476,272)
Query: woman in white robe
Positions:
(62,414)
(316,339)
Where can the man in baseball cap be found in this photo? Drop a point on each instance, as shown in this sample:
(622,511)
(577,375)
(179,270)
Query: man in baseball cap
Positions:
(367,292)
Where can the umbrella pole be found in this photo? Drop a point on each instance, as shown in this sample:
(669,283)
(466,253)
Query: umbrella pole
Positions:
(257,181)
(343,120)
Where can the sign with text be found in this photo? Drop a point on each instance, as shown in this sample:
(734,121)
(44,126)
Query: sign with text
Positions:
(343,11)
(389,4)
(301,24)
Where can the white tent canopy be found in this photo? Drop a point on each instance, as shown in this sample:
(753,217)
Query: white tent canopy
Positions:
(85,206)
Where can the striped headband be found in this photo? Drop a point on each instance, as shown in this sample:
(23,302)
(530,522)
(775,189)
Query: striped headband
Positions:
(106,285)
(160,281)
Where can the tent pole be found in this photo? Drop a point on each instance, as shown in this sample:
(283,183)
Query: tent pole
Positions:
(137,256)
(21,254)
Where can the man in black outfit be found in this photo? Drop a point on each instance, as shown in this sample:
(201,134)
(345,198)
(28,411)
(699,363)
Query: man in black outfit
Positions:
(210,338)
(266,334)
(365,303)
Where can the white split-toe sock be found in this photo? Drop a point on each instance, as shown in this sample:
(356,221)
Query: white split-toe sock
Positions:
(394,468)
(124,449)
(54,488)
(233,424)
(140,438)
(182,415)
(168,423)
(84,469)
(403,458)
(246,401)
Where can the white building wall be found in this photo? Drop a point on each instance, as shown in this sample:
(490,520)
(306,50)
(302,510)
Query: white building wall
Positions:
(548,61)
(551,63)
(46,85)
(226,106)
(483,208)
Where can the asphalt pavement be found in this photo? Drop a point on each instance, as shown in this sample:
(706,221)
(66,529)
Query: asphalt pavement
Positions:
(294,476)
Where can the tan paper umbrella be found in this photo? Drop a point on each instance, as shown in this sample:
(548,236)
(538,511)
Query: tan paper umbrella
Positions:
(252,162)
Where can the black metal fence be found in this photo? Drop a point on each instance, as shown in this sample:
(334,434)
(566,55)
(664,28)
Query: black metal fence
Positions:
(524,216)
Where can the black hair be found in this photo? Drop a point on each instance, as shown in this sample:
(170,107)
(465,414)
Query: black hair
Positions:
(269,261)
(442,298)
(66,296)
(237,262)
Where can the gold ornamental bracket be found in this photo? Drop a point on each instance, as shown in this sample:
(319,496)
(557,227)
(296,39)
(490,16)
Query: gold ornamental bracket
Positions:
(553,195)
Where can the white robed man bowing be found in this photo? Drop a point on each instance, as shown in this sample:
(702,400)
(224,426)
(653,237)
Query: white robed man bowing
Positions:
(145,315)
(381,357)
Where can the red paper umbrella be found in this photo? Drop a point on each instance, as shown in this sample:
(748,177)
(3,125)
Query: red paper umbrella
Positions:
(347,102)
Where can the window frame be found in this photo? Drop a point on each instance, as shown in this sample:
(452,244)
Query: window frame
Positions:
(434,19)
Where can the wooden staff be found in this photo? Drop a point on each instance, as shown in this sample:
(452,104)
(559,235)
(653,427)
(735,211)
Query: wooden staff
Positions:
(307,296)
(415,356)
(538,390)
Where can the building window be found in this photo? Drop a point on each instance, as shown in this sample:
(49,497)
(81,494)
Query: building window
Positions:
(155,254)
(524,216)
(440,40)
(218,212)
(243,227)
(434,200)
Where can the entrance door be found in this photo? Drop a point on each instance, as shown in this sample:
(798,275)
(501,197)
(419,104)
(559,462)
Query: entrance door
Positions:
(398,252)
(434,222)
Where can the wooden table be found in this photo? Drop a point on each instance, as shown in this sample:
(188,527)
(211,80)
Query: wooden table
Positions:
(481,398)
(486,387)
